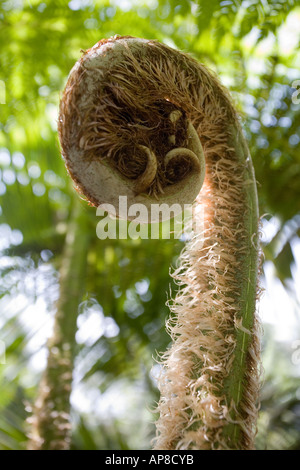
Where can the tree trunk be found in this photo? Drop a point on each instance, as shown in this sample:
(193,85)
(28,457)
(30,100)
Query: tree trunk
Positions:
(51,428)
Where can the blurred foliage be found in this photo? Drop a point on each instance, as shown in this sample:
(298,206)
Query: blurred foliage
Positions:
(254,48)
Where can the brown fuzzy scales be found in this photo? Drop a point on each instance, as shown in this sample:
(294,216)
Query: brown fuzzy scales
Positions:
(210,377)
(128,111)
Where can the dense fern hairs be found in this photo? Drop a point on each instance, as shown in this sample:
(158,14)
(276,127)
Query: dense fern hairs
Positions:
(140,119)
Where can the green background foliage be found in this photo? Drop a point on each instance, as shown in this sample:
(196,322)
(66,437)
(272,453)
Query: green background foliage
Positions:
(254,48)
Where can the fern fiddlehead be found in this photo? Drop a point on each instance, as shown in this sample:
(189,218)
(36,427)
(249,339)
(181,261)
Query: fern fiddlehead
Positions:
(140,119)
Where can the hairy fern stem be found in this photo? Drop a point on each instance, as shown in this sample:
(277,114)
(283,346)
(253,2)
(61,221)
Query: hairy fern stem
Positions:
(138,118)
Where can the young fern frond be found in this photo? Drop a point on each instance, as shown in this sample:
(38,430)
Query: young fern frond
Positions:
(210,381)
(143,120)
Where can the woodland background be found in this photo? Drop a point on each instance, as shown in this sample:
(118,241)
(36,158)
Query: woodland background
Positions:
(254,48)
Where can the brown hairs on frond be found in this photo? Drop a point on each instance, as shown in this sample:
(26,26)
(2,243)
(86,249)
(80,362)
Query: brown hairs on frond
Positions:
(126,95)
